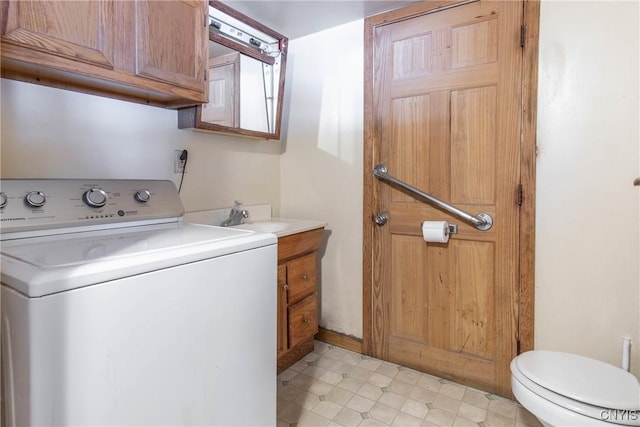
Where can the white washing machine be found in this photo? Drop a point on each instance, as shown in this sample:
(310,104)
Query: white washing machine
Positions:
(116,313)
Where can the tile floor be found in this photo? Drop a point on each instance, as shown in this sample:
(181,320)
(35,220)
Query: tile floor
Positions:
(336,387)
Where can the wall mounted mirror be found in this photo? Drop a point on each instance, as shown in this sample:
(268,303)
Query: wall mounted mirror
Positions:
(247,63)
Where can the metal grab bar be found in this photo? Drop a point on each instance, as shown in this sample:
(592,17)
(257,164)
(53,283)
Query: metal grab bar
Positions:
(481,221)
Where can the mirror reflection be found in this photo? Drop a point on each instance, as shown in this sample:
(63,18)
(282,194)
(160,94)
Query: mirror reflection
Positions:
(246,77)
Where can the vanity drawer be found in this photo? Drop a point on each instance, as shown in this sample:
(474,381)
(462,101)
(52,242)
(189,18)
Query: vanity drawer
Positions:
(301,277)
(303,320)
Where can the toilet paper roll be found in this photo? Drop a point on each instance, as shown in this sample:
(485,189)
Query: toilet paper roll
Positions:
(435,231)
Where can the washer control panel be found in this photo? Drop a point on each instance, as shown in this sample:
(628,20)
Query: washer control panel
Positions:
(39,204)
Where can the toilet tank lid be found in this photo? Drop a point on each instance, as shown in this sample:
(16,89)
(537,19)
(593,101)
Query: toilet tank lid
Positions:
(580,378)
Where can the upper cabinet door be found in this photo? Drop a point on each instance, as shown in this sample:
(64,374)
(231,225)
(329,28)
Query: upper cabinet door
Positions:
(44,26)
(171,41)
(151,52)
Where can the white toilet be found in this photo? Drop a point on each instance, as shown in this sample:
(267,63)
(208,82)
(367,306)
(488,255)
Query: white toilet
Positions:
(563,389)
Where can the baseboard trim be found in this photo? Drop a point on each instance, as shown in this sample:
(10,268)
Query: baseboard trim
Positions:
(339,339)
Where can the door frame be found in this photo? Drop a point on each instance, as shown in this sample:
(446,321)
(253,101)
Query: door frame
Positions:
(531,19)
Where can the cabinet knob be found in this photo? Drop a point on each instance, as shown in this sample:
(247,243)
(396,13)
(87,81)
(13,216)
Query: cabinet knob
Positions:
(305,277)
(305,319)
(285,287)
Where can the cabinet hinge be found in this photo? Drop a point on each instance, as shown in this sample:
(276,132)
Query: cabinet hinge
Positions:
(523,35)
(520,196)
(206,19)
(517,346)
(205,74)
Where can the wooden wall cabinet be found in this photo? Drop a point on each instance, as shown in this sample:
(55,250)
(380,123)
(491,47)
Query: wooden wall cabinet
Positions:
(151,52)
(297,295)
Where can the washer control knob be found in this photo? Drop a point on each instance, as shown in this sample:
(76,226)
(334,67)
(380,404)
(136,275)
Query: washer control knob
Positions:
(142,196)
(35,199)
(96,198)
(3,200)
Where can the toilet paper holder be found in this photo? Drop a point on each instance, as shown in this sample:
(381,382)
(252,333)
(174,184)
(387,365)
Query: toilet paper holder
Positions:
(453,229)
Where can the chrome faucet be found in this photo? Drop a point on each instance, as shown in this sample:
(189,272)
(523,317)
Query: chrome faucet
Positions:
(236,216)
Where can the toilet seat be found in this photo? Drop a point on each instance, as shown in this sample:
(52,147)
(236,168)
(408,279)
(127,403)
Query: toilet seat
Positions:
(579,384)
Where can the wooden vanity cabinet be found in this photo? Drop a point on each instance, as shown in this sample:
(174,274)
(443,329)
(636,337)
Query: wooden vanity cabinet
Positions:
(151,52)
(297,295)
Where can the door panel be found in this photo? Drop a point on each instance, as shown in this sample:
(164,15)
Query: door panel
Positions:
(473,149)
(39,25)
(447,111)
(178,56)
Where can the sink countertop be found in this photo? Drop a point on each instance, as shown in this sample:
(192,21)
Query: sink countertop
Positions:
(259,221)
(290,226)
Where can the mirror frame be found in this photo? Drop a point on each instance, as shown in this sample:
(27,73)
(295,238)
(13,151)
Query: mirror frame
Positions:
(190,117)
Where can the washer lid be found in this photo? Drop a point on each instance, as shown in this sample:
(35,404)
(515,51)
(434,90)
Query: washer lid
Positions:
(46,265)
(580,378)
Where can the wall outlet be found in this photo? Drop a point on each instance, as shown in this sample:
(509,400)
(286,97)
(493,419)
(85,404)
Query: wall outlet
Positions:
(178,164)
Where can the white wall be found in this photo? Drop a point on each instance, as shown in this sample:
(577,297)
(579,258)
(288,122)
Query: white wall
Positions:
(321,169)
(587,231)
(52,133)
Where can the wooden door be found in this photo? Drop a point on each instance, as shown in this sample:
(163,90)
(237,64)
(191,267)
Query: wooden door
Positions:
(74,30)
(446,118)
(172,41)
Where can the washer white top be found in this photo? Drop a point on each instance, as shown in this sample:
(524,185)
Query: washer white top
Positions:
(44,265)
(582,379)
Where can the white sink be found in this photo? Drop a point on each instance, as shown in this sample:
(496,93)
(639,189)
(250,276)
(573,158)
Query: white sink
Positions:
(266,227)
(280,226)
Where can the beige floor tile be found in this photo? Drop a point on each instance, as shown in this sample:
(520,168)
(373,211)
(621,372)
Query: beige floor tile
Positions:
(326,363)
(331,377)
(429,382)
(494,419)
(289,393)
(340,396)
(415,408)
(463,422)
(525,417)
(371,422)
(302,381)
(311,419)
(351,384)
(380,380)
(503,407)
(388,370)
(383,413)
(320,388)
(447,403)
(370,391)
(342,367)
(406,420)
(315,371)
(348,418)
(307,400)
(476,398)
(471,412)
(408,376)
(292,414)
(423,395)
(370,363)
(439,417)
(360,403)
(327,409)
(287,375)
(400,387)
(453,390)
(393,400)
(352,359)
(360,373)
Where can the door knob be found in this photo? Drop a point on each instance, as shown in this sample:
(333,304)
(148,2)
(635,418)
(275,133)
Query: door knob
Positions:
(381,218)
